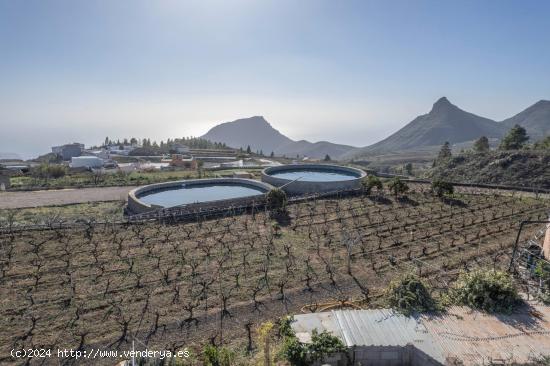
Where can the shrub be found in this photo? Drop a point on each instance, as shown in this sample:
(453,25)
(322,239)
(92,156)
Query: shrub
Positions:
(57,171)
(294,352)
(277,199)
(409,294)
(285,328)
(46,171)
(322,345)
(487,290)
(542,271)
(214,356)
(397,186)
(481,145)
(264,338)
(441,188)
(371,182)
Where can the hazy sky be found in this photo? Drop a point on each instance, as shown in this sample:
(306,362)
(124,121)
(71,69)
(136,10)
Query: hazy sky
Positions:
(345,71)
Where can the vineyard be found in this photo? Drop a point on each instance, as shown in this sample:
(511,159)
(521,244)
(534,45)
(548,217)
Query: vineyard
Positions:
(185,284)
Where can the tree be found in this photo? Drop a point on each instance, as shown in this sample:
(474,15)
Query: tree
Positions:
(248,150)
(515,139)
(133,141)
(408,168)
(272,154)
(445,151)
(327,157)
(481,145)
(441,188)
(397,186)
(370,183)
(277,199)
(106,142)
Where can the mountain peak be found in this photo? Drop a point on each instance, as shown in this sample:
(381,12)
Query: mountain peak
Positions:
(442,103)
(258,133)
(253,119)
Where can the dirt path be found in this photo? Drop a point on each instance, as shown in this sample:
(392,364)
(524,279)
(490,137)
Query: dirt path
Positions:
(62,196)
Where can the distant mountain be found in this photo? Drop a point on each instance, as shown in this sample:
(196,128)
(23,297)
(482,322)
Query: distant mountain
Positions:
(260,135)
(445,122)
(423,135)
(9,156)
(535,119)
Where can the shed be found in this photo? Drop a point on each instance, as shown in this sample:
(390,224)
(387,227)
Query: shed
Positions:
(462,336)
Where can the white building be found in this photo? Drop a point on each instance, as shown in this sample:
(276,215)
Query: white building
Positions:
(86,162)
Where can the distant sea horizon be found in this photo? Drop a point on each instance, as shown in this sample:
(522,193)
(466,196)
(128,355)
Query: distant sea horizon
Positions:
(11,155)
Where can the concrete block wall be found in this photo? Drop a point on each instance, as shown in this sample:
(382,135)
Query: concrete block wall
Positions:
(382,356)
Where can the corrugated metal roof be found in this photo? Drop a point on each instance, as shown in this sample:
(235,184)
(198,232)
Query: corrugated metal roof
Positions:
(478,338)
(470,336)
(383,327)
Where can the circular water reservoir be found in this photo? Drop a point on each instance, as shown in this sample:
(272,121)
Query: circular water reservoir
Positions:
(298,179)
(201,193)
(315,175)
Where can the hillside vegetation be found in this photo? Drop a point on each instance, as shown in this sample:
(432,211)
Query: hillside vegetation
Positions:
(516,168)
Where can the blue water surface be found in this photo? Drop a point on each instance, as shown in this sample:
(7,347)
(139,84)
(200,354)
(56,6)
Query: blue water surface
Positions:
(198,193)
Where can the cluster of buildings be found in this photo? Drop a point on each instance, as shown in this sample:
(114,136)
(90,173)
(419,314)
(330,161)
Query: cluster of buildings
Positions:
(79,157)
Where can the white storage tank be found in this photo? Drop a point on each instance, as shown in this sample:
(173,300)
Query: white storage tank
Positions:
(86,162)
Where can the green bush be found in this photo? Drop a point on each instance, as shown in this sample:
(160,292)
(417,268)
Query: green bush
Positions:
(322,345)
(277,199)
(214,356)
(285,328)
(46,171)
(441,188)
(487,290)
(371,182)
(397,186)
(294,352)
(542,271)
(409,294)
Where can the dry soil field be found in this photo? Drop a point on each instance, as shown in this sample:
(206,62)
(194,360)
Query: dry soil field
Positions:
(172,286)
